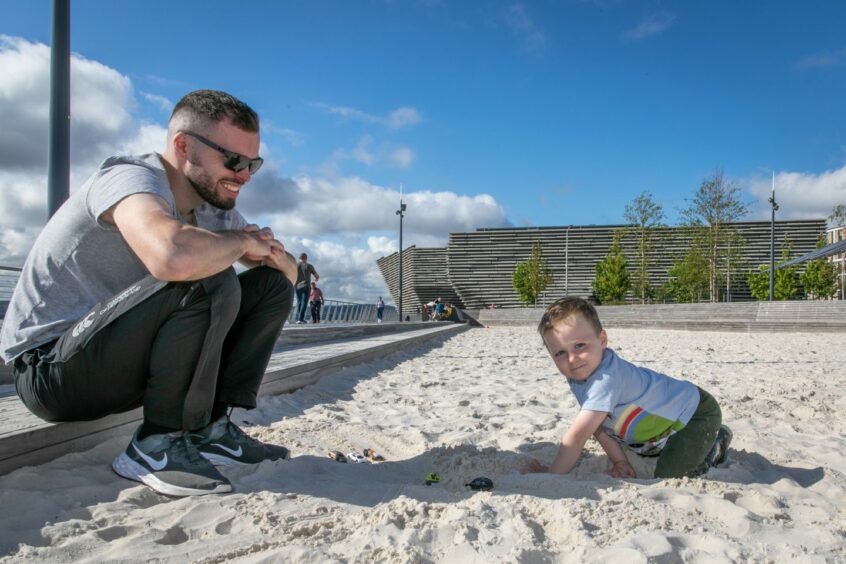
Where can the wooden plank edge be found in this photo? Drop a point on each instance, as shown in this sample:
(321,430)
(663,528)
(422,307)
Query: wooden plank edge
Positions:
(64,438)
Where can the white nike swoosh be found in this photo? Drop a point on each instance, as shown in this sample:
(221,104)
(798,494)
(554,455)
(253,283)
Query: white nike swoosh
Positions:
(154,464)
(237,452)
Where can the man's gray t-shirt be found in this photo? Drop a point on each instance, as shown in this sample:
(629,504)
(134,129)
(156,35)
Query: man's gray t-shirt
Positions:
(78,261)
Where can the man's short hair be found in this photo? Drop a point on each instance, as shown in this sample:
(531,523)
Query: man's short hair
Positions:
(561,309)
(303,256)
(202,109)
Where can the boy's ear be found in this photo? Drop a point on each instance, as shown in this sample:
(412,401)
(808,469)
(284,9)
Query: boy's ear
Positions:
(603,338)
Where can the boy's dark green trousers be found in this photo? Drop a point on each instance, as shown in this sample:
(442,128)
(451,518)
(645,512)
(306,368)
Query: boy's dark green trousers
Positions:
(685,452)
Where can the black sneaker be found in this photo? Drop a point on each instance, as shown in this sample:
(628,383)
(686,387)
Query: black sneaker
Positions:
(224,443)
(170,465)
(719,452)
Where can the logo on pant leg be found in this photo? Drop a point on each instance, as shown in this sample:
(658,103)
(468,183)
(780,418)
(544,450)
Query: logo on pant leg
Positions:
(86,322)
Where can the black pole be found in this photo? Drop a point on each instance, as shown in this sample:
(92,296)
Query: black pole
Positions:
(58,160)
(774,207)
(401,213)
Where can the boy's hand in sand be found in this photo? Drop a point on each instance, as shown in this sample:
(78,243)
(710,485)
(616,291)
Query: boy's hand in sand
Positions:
(622,469)
(534,467)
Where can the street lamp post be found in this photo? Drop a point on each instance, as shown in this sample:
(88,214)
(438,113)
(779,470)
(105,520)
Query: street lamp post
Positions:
(401,214)
(58,147)
(774,208)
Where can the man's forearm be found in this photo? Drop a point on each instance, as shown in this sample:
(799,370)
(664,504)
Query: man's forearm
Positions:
(197,253)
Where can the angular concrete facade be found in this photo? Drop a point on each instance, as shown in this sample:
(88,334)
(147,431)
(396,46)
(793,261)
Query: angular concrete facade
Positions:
(475,269)
(424,278)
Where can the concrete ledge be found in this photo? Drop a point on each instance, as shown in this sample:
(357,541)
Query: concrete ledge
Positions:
(736,316)
(26,440)
(299,334)
(300,366)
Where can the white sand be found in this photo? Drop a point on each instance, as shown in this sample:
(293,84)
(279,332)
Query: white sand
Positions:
(480,404)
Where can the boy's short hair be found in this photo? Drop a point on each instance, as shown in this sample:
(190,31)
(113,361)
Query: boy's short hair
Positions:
(201,109)
(561,309)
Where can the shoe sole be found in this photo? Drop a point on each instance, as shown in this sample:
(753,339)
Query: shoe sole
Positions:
(127,468)
(728,437)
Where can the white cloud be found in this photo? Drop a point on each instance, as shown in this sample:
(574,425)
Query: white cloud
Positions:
(381,245)
(100,109)
(401,117)
(295,138)
(800,195)
(823,60)
(367,154)
(345,224)
(362,152)
(15,244)
(350,204)
(163,103)
(517,18)
(402,157)
(651,25)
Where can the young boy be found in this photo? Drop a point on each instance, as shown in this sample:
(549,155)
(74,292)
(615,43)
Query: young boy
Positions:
(650,413)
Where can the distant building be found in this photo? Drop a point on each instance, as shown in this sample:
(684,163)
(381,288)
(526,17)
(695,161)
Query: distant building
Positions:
(424,275)
(475,268)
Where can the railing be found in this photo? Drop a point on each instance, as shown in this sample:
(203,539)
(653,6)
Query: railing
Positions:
(339,311)
(333,311)
(8,279)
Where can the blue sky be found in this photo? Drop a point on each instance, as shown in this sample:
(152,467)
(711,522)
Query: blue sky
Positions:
(488,113)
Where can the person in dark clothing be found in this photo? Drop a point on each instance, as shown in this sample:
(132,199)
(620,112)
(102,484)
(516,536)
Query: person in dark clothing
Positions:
(304,273)
(128,298)
(380,309)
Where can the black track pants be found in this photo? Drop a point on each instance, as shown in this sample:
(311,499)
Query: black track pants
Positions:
(175,348)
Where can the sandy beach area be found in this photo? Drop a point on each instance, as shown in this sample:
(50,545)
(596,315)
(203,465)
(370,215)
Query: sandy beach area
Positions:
(481,403)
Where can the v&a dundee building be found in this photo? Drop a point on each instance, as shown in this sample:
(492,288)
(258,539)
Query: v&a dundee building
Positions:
(474,270)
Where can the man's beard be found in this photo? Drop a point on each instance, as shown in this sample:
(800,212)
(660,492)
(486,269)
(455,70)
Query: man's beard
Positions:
(204,186)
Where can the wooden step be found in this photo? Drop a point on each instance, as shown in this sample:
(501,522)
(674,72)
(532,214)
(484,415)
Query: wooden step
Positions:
(26,440)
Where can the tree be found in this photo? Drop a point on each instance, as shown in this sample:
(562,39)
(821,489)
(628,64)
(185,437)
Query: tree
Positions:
(532,277)
(645,215)
(838,215)
(688,278)
(716,204)
(785,280)
(612,276)
(820,277)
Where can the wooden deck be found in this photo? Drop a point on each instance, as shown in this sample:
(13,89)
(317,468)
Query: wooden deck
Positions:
(26,440)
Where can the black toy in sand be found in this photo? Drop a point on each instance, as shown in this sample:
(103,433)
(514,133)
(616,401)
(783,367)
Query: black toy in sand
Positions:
(480,484)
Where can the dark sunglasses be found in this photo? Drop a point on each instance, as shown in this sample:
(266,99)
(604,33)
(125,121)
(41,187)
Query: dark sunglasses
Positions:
(234,161)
